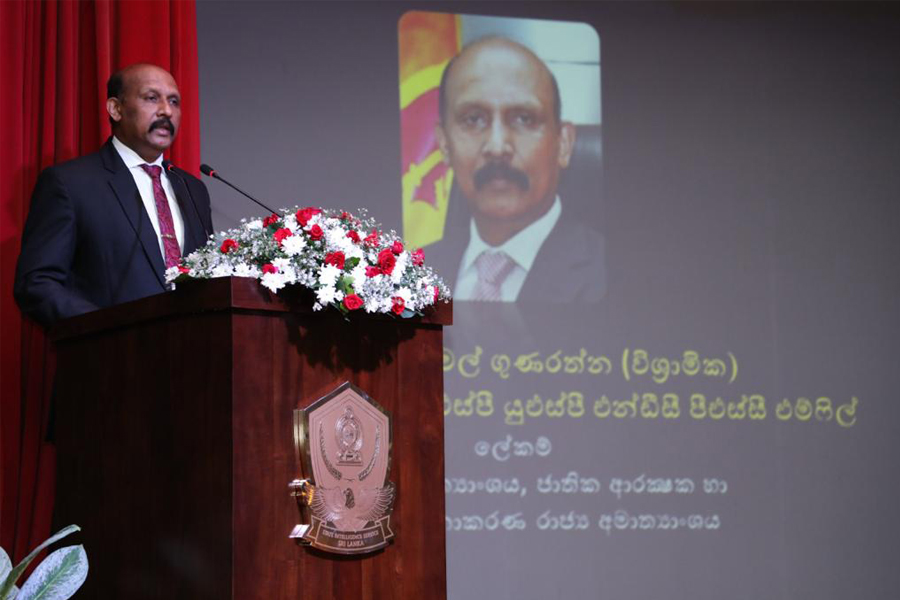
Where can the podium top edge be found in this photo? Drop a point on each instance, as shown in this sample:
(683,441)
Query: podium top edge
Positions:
(223,294)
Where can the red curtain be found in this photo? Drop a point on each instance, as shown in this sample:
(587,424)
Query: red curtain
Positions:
(55,58)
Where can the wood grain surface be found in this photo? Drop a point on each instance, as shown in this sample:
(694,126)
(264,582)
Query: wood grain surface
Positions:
(175,444)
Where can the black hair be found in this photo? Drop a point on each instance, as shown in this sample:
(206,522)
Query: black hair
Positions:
(115,86)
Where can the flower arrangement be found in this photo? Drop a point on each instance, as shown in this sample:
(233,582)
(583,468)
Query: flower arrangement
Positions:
(345,260)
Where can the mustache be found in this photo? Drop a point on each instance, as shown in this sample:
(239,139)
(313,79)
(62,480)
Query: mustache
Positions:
(163,122)
(500,170)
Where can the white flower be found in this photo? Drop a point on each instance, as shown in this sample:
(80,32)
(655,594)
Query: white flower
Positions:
(358,273)
(314,220)
(222,270)
(172,273)
(293,245)
(283,265)
(273,281)
(404,293)
(373,305)
(326,294)
(337,239)
(329,274)
(353,251)
(400,267)
(254,224)
(245,270)
(290,221)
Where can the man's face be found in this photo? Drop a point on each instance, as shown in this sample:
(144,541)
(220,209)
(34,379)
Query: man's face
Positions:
(149,112)
(501,137)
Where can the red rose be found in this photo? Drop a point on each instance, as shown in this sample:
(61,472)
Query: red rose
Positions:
(183,269)
(386,261)
(270,220)
(418,257)
(352,302)
(305,214)
(397,247)
(353,236)
(372,238)
(436,293)
(316,233)
(282,233)
(344,216)
(336,259)
(398,305)
(372,271)
(228,245)
(269,268)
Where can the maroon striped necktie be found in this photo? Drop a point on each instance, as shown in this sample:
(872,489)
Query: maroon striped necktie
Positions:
(166,224)
(493,269)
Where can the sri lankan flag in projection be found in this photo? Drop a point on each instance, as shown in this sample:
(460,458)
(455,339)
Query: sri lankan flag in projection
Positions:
(427,43)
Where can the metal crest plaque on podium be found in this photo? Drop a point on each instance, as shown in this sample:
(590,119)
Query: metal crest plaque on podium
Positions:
(344,442)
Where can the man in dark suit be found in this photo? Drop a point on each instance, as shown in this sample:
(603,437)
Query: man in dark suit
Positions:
(502,133)
(102,229)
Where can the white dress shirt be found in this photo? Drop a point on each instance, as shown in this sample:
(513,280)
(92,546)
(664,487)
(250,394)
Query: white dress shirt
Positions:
(145,186)
(523,248)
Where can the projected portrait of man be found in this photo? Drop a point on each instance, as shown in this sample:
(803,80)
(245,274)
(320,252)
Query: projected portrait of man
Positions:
(500,130)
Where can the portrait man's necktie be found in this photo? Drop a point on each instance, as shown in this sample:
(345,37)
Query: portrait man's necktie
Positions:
(166,224)
(493,269)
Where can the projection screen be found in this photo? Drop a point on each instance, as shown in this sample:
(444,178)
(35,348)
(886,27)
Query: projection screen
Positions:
(691,394)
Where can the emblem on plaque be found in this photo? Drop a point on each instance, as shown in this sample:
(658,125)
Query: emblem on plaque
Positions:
(344,442)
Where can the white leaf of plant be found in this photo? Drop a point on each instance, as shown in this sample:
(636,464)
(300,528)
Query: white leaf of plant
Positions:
(5,571)
(5,565)
(7,586)
(58,576)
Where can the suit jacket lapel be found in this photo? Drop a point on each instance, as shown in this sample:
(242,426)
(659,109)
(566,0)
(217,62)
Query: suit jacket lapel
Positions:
(561,259)
(122,184)
(570,266)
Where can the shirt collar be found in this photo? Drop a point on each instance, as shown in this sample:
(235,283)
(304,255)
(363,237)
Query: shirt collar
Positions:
(522,247)
(130,157)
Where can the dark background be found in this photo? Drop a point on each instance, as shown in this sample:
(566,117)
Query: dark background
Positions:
(749,204)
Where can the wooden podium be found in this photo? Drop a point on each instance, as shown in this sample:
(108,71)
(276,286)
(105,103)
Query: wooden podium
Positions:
(175,447)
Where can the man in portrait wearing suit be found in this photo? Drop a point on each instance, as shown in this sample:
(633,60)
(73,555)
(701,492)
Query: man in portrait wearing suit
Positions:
(501,132)
(102,229)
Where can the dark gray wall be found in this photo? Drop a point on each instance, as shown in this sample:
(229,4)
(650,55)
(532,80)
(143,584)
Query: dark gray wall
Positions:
(749,207)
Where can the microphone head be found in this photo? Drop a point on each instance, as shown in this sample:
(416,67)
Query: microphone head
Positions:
(207,170)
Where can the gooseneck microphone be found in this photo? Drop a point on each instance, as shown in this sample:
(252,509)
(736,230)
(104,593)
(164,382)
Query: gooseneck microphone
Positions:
(210,172)
(170,168)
